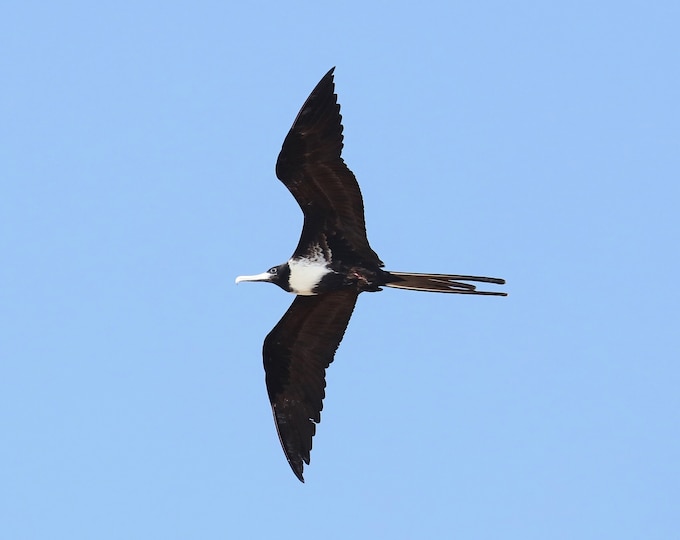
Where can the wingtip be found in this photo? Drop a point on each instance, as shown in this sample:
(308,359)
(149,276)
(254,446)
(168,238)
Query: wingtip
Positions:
(297,470)
(294,457)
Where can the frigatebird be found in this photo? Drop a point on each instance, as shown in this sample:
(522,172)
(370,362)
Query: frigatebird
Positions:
(332,264)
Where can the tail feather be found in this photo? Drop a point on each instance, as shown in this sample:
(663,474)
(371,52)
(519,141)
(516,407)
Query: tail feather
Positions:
(445,283)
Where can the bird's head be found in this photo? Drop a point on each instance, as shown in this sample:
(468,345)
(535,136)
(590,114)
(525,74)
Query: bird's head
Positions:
(277,274)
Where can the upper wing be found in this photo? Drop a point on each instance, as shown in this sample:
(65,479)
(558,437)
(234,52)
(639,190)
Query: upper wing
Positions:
(296,354)
(310,166)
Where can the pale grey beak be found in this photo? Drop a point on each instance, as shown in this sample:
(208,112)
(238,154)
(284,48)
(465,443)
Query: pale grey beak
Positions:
(264,276)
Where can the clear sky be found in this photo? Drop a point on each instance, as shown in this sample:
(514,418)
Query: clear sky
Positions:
(534,141)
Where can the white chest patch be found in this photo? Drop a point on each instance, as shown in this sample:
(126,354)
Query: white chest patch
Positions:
(305,274)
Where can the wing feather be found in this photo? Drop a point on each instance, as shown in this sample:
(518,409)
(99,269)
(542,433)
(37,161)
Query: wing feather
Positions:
(311,167)
(296,354)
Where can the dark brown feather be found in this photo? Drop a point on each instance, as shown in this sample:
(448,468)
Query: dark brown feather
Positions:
(444,283)
(310,166)
(296,354)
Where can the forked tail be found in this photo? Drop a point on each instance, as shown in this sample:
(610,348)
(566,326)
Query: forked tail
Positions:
(445,283)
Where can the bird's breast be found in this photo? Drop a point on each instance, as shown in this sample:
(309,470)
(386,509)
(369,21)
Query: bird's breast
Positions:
(306,274)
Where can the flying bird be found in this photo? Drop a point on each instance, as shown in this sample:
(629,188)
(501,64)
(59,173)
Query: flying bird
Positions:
(332,264)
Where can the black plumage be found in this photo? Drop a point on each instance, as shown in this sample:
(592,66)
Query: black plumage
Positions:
(296,354)
(332,264)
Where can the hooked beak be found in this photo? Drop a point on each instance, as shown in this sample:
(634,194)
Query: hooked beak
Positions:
(264,276)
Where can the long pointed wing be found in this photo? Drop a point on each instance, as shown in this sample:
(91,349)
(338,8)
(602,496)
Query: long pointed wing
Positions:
(296,354)
(310,166)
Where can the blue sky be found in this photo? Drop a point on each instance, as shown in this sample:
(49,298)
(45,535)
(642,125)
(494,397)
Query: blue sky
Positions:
(534,141)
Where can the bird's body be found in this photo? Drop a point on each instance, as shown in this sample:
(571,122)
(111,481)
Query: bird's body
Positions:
(332,264)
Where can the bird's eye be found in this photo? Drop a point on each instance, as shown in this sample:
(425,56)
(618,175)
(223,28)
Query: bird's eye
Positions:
(273,270)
